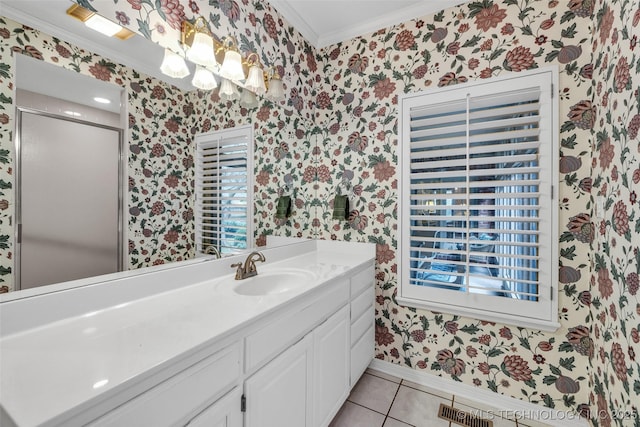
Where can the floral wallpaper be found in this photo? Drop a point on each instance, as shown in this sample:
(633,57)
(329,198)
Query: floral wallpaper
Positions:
(285,149)
(615,313)
(357,107)
(338,134)
(160,173)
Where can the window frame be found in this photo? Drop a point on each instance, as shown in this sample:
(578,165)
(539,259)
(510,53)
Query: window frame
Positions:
(541,314)
(216,137)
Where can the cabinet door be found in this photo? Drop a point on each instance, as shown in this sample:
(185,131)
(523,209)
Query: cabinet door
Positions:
(278,394)
(330,366)
(225,412)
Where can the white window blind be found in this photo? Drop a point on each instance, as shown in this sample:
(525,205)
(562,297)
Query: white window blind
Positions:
(223,190)
(478,232)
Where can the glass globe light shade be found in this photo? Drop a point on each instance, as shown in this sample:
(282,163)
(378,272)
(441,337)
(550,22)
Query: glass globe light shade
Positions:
(173,65)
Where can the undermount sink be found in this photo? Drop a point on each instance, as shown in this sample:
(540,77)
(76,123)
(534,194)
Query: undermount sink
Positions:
(273,282)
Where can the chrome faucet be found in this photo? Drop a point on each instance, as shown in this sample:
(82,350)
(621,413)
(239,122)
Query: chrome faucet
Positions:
(212,250)
(249,268)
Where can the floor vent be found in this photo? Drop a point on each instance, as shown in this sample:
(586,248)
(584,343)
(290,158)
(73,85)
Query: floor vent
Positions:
(462,418)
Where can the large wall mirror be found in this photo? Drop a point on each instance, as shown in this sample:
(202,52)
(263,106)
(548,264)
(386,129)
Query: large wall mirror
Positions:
(284,145)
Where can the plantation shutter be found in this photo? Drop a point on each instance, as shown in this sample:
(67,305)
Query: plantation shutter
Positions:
(223,190)
(477,212)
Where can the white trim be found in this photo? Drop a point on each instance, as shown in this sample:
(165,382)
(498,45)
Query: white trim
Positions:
(228,133)
(482,396)
(390,19)
(124,185)
(361,27)
(298,22)
(492,316)
(541,315)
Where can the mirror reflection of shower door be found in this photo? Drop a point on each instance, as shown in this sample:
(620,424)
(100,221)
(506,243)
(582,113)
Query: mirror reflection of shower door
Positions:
(69,196)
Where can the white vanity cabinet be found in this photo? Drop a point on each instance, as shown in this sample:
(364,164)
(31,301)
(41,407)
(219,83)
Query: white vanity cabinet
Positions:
(307,382)
(299,366)
(202,354)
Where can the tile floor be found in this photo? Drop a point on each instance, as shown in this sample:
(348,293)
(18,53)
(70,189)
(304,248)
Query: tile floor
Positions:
(381,400)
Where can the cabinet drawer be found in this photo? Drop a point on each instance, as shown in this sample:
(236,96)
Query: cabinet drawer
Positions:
(362,324)
(273,338)
(361,355)
(362,303)
(175,400)
(361,280)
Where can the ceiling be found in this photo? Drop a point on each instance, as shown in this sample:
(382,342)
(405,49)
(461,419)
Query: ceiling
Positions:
(321,22)
(326,22)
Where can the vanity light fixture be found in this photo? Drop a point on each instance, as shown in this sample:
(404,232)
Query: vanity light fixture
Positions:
(248,99)
(223,59)
(99,23)
(255,80)
(173,65)
(228,91)
(204,79)
(276,88)
(232,65)
(201,49)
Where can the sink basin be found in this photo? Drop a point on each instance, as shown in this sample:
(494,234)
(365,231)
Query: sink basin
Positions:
(273,282)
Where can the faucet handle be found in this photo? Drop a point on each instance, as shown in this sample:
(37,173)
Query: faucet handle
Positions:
(239,270)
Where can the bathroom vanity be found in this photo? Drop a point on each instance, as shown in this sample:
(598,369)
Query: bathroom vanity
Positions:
(190,345)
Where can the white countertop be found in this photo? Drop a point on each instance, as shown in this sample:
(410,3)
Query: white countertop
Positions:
(53,368)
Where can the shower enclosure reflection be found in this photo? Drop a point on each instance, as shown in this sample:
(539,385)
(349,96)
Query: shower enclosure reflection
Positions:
(69,200)
(68,176)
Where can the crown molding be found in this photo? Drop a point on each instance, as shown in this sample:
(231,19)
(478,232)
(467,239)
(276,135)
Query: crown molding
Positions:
(356,29)
(397,17)
(296,21)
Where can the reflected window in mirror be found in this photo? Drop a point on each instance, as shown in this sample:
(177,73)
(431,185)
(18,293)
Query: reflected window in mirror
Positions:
(224,194)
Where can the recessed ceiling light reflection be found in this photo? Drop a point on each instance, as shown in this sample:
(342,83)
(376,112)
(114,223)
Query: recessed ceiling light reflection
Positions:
(100,383)
(72,113)
(102,100)
(103,25)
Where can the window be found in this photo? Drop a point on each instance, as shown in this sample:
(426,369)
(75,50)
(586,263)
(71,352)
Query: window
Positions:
(478,232)
(224,203)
